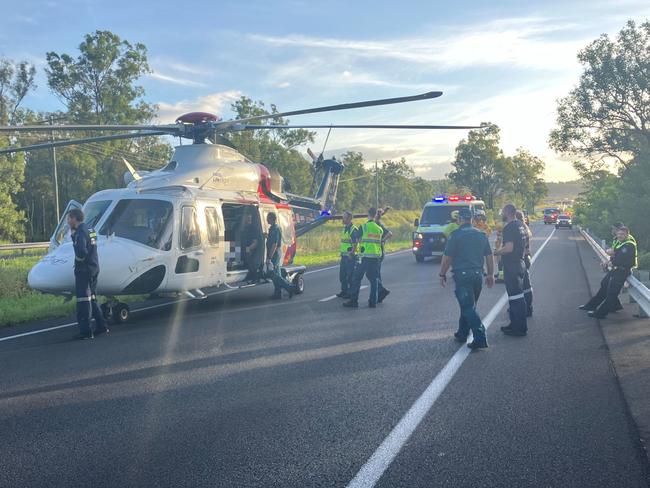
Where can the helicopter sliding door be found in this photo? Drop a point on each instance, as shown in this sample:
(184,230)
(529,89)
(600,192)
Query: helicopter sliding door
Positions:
(242,229)
(213,245)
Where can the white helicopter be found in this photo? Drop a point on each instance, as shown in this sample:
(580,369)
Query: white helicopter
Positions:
(180,229)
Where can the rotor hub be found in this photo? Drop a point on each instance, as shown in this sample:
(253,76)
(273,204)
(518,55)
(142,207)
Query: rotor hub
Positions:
(197,118)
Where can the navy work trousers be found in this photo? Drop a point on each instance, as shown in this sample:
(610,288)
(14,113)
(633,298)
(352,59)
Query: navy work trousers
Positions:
(528,287)
(368,267)
(513,275)
(468,289)
(606,300)
(279,282)
(87,306)
(346,271)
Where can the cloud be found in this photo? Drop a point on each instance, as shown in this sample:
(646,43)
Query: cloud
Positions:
(520,42)
(216,103)
(156,75)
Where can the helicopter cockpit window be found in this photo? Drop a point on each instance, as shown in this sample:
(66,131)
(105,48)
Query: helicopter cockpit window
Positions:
(149,222)
(94,211)
(190,230)
(171,166)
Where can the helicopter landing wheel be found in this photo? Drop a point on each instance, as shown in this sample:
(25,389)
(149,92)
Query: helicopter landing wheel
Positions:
(120,312)
(299,281)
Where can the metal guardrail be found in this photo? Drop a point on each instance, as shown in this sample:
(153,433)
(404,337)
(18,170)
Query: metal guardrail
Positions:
(637,290)
(24,246)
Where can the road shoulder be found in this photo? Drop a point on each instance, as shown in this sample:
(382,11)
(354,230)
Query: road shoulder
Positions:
(628,340)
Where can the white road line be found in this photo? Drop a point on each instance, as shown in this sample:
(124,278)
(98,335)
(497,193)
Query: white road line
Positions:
(327,299)
(166,304)
(382,458)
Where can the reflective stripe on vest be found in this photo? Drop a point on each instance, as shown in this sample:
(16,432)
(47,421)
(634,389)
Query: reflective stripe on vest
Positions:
(346,240)
(629,240)
(371,240)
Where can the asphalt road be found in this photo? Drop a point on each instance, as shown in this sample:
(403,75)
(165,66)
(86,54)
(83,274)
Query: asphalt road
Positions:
(237,390)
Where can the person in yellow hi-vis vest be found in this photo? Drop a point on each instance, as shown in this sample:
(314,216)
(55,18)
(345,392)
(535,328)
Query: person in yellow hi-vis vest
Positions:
(451,226)
(368,247)
(348,259)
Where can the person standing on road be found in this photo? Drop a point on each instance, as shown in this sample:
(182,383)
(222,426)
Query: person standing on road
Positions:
(528,260)
(514,270)
(348,259)
(623,259)
(274,257)
(387,234)
(451,226)
(466,251)
(369,251)
(86,271)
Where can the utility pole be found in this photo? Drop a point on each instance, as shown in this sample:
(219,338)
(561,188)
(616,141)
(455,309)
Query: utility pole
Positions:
(376,185)
(56,178)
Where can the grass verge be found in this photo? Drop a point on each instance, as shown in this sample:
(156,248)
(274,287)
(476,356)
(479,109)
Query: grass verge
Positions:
(19,303)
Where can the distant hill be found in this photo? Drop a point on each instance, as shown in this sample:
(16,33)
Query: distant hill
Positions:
(566,190)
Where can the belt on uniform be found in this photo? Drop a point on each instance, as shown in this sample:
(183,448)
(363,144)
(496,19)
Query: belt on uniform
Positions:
(621,268)
(465,271)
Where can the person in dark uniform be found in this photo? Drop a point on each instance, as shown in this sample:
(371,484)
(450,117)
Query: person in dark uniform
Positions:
(348,259)
(528,260)
(514,270)
(614,229)
(274,259)
(466,251)
(86,271)
(252,248)
(387,234)
(369,250)
(623,259)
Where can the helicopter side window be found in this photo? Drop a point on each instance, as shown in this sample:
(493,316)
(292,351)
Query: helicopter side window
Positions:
(190,230)
(212,221)
(171,166)
(148,222)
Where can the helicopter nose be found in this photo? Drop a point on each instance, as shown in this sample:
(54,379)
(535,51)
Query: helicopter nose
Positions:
(52,274)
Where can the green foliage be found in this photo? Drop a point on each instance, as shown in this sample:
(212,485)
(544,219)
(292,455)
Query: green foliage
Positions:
(275,148)
(608,116)
(608,113)
(527,185)
(16,80)
(481,166)
(99,85)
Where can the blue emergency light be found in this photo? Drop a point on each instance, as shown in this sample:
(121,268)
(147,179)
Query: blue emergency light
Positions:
(439,199)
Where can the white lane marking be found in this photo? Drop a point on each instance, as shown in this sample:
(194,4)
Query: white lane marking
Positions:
(166,304)
(71,324)
(327,299)
(382,458)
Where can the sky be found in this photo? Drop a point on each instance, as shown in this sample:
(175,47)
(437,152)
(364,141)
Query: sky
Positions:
(503,61)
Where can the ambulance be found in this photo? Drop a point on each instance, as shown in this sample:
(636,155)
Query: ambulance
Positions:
(429,239)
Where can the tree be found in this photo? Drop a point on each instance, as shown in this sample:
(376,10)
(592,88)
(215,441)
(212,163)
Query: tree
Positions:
(275,148)
(607,116)
(480,164)
(99,85)
(527,185)
(16,80)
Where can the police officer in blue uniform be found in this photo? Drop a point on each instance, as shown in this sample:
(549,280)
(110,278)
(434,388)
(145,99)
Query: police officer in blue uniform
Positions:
(466,251)
(274,258)
(86,271)
(514,270)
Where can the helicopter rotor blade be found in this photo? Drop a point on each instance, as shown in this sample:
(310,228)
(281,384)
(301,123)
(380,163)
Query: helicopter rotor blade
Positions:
(332,108)
(72,142)
(353,126)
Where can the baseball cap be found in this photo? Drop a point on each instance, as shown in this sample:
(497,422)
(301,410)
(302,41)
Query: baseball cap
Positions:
(464,214)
